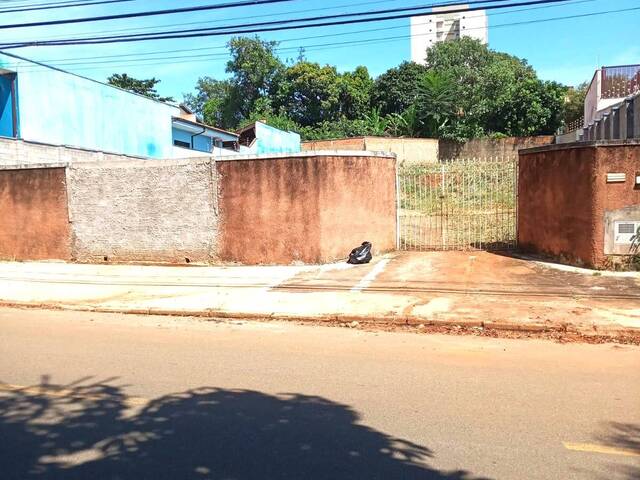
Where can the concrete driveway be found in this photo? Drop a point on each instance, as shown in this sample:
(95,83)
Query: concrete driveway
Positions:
(470,288)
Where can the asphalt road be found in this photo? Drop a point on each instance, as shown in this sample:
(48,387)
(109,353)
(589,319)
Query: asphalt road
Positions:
(124,397)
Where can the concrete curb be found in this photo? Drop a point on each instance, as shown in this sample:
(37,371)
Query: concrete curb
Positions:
(388,320)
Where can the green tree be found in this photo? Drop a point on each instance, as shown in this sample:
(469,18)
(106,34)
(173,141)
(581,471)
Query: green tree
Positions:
(574,103)
(207,88)
(355,93)
(145,87)
(254,69)
(263,112)
(405,124)
(216,101)
(436,105)
(397,89)
(495,92)
(309,93)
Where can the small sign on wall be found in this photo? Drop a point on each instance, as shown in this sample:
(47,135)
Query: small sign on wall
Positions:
(616,177)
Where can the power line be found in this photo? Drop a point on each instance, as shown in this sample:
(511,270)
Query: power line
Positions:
(151,27)
(317,47)
(280,25)
(143,14)
(62,5)
(36,4)
(78,60)
(316,18)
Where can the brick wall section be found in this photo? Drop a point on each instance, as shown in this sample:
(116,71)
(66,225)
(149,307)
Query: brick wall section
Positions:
(156,211)
(563,197)
(311,208)
(34,223)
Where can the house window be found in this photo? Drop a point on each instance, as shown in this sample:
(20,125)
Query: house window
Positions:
(180,143)
(8,105)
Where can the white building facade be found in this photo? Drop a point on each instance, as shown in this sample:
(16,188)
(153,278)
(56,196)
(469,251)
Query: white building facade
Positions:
(444,25)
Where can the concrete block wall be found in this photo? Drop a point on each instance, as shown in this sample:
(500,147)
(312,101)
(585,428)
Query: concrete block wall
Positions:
(20,152)
(488,147)
(155,211)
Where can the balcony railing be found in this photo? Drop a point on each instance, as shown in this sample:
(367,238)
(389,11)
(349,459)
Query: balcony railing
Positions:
(621,81)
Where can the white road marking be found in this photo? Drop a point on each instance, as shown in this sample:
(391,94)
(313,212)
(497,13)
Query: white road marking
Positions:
(371,276)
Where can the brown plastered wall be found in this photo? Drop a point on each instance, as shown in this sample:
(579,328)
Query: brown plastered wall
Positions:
(311,208)
(556,204)
(487,147)
(614,196)
(357,202)
(407,150)
(355,143)
(34,221)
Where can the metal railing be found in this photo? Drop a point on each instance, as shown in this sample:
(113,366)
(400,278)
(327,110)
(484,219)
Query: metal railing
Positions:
(571,126)
(620,81)
(461,204)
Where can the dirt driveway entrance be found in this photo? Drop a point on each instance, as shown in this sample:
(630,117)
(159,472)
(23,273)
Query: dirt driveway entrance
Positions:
(486,287)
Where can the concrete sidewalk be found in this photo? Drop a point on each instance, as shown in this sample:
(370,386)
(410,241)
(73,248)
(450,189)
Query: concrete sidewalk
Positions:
(462,288)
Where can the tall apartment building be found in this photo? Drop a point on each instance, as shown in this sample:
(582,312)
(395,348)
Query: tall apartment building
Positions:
(426,31)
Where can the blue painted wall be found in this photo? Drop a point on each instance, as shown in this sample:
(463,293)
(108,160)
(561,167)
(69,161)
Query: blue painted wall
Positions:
(272,140)
(63,109)
(6,106)
(200,143)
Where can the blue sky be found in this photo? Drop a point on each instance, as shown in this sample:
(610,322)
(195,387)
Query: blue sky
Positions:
(567,51)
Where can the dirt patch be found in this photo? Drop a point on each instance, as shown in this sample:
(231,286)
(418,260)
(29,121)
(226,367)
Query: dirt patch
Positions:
(553,335)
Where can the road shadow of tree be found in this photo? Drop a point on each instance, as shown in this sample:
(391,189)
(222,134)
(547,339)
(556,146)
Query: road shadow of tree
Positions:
(94,430)
(624,436)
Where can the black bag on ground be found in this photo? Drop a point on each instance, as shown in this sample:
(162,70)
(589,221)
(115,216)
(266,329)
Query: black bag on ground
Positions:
(361,254)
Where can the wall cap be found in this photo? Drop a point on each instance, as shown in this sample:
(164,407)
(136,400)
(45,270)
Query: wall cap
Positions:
(309,153)
(134,162)
(376,137)
(32,166)
(17,141)
(574,145)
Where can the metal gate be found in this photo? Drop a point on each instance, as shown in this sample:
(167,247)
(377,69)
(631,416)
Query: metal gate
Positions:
(461,204)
